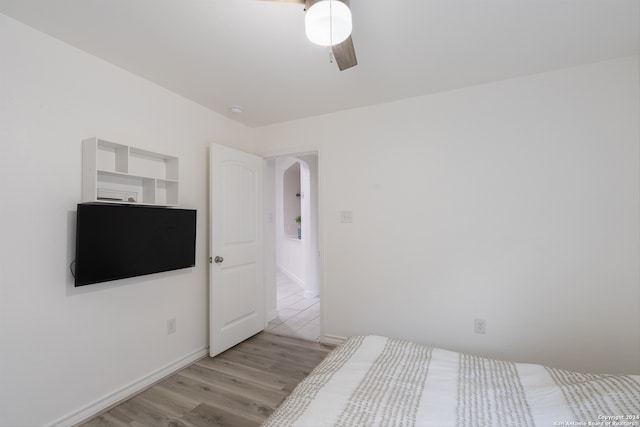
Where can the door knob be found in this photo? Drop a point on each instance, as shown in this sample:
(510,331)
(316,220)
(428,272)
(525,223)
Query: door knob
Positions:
(218,259)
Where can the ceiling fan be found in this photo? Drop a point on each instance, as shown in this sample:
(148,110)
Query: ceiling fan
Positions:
(328,23)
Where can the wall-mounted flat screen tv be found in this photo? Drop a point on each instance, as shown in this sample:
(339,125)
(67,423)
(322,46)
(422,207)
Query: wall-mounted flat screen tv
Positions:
(115,241)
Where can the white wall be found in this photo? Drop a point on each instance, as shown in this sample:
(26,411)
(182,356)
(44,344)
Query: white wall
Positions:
(289,250)
(63,348)
(516,202)
(291,204)
(310,223)
(269,239)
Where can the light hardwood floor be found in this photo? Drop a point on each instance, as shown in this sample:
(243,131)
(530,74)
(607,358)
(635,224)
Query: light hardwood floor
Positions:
(240,387)
(298,315)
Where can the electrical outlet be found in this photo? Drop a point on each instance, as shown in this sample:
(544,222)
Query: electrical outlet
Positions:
(480,326)
(346,217)
(171,326)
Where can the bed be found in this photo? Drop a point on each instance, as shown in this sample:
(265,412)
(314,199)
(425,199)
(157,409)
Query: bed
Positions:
(379,381)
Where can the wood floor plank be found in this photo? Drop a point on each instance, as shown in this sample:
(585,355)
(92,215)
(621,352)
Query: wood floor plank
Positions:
(219,397)
(249,389)
(107,419)
(282,352)
(268,360)
(209,416)
(255,361)
(295,342)
(168,401)
(140,411)
(240,387)
(270,380)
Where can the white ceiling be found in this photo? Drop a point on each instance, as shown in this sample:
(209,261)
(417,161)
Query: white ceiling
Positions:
(254,53)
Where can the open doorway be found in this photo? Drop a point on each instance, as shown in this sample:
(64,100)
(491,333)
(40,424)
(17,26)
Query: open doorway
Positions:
(293,298)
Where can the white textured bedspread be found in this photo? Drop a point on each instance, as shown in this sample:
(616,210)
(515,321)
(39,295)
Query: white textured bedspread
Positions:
(378,381)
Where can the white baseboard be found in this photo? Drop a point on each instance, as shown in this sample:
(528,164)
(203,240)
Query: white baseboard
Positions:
(311,294)
(84,413)
(295,279)
(332,339)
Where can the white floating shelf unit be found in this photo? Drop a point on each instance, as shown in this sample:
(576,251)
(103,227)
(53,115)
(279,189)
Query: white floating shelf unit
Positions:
(117,173)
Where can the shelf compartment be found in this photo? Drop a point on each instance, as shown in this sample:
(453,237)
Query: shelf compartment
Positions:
(120,173)
(117,196)
(167,192)
(149,191)
(152,165)
(112,157)
(111,184)
(119,188)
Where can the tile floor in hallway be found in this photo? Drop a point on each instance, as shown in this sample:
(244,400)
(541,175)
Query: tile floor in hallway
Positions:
(298,316)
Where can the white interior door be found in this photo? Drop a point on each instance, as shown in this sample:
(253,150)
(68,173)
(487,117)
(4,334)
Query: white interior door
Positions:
(236,292)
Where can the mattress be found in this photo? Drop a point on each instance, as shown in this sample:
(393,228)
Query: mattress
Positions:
(380,381)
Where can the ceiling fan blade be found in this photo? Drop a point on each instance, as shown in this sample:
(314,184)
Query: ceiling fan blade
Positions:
(345,54)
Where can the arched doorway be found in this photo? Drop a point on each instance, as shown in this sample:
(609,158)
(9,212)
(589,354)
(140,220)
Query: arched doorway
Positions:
(297,305)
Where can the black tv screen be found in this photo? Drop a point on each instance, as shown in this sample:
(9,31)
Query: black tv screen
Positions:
(116,241)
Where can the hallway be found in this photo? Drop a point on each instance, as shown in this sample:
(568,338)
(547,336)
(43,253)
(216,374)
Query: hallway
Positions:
(298,316)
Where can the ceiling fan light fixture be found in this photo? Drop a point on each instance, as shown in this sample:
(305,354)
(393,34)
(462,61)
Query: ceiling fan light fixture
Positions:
(328,22)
